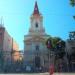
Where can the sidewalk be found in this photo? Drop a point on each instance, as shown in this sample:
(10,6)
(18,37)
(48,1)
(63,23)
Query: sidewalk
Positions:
(41,74)
(64,74)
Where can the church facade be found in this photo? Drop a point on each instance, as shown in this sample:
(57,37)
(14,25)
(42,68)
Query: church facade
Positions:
(35,51)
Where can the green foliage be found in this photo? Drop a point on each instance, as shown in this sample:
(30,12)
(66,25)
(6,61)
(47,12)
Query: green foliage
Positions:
(58,46)
(55,40)
(72,2)
(73,17)
(60,50)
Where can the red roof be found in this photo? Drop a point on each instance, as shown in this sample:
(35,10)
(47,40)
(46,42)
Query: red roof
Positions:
(36,10)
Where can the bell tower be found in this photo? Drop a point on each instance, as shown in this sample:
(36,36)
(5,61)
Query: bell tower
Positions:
(34,42)
(36,19)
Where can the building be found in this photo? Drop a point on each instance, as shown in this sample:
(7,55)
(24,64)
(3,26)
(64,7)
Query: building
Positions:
(7,45)
(15,52)
(35,51)
(70,50)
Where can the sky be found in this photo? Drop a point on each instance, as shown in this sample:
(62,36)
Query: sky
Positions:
(57,17)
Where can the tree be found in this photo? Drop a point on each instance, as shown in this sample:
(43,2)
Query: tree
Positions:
(56,44)
(74,16)
(55,40)
(60,49)
(72,3)
(72,35)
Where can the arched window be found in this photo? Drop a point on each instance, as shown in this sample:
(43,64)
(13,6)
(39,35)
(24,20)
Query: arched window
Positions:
(37,47)
(36,25)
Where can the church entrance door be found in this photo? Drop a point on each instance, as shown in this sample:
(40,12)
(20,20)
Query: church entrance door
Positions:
(37,61)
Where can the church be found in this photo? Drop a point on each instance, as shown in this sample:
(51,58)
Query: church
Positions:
(35,51)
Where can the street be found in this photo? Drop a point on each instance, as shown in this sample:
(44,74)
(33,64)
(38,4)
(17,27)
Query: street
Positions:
(41,74)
